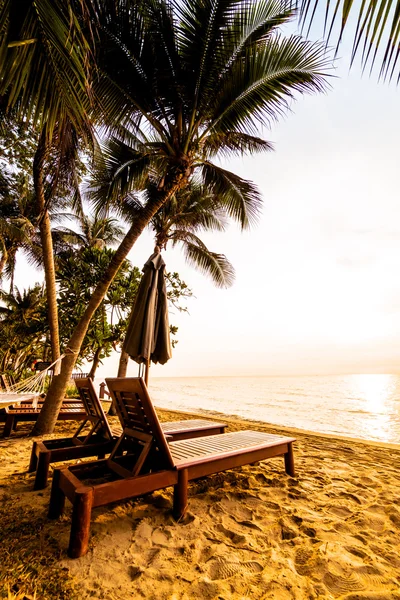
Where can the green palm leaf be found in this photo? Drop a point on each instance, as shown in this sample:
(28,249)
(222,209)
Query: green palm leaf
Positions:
(216,266)
(376,34)
(240,198)
(44,62)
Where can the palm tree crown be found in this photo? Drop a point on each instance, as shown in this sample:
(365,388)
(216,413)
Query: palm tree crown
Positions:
(185,83)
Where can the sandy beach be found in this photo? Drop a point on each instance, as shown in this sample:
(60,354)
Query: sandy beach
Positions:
(333,531)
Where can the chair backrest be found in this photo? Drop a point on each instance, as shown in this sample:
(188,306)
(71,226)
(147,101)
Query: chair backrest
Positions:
(137,414)
(93,407)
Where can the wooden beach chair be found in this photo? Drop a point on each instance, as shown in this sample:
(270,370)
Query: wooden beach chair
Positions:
(11,416)
(142,461)
(174,430)
(101,439)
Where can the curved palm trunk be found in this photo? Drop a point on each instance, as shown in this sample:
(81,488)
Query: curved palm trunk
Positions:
(51,407)
(96,362)
(47,249)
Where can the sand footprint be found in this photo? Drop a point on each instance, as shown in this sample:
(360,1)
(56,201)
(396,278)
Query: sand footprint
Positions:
(340,511)
(236,538)
(341,584)
(373,578)
(356,551)
(304,561)
(220,568)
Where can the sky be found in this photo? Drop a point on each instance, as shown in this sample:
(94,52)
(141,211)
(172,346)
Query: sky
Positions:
(317,288)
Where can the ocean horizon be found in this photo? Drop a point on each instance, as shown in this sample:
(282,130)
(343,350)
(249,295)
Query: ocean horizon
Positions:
(364,406)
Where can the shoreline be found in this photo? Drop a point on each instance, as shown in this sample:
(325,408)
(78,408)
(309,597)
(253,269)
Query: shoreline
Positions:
(216,415)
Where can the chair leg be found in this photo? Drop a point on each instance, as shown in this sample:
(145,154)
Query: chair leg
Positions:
(8,425)
(181,494)
(80,526)
(42,472)
(34,459)
(57,497)
(289,461)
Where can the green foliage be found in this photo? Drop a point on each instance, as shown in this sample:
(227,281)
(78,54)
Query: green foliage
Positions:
(23,329)
(71,391)
(373,24)
(79,271)
(45,61)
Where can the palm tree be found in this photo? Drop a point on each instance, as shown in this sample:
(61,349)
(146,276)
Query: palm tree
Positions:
(45,80)
(377,29)
(179,221)
(17,229)
(95,232)
(21,331)
(189,81)
(45,62)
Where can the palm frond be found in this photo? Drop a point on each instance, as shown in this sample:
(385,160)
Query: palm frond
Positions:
(260,87)
(214,265)
(376,34)
(239,197)
(46,79)
(227,143)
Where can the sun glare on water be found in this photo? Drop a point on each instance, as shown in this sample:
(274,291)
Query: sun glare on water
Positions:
(375,391)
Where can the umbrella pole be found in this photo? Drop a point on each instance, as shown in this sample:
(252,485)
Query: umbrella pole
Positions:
(146,372)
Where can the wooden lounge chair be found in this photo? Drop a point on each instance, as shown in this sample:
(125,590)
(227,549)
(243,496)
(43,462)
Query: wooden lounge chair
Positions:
(38,402)
(173,430)
(11,416)
(101,439)
(142,461)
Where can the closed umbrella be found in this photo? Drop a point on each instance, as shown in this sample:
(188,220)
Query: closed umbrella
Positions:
(147,337)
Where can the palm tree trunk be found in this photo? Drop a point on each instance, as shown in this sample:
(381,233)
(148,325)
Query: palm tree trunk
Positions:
(47,249)
(122,369)
(96,362)
(51,407)
(123,364)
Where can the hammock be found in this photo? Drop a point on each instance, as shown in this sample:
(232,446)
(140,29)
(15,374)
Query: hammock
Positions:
(28,389)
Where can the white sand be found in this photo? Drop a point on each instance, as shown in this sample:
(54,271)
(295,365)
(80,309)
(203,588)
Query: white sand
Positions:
(252,533)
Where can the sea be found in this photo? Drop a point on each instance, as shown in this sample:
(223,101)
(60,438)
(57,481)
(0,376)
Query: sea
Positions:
(364,406)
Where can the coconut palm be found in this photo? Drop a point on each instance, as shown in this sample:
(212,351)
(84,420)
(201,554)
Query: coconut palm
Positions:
(95,232)
(21,331)
(182,219)
(190,81)
(45,71)
(179,222)
(17,230)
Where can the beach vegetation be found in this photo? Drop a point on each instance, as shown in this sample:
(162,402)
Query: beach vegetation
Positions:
(177,85)
(44,81)
(23,329)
